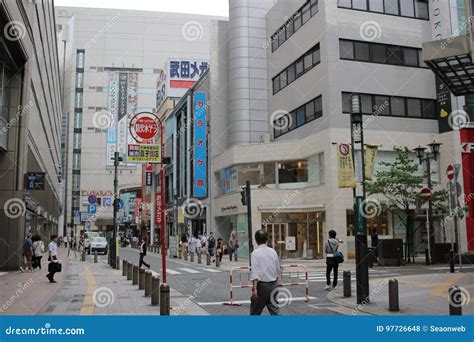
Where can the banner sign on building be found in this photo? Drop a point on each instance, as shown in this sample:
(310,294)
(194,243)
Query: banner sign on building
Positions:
(183,73)
(138,154)
(161,89)
(467,142)
(345,167)
(123,95)
(200,145)
(138,207)
(35,181)
(370,156)
(158,208)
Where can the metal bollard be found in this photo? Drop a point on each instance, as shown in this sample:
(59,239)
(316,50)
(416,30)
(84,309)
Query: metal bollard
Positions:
(192,257)
(155,291)
(141,278)
(83,255)
(393,300)
(199,258)
(165,300)
(148,276)
(451,262)
(455,301)
(346,281)
(135,275)
(129,271)
(117,263)
(208,259)
(95,257)
(124,267)
(180,254)
(427,257)
(218,261)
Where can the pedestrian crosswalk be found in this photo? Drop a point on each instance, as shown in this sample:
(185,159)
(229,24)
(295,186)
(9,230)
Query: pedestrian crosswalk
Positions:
(184,270)
(320,276)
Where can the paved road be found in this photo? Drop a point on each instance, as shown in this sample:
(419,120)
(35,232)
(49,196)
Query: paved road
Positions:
(213,282)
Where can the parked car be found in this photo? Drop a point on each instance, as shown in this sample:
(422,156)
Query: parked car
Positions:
(87,240)
(99,244)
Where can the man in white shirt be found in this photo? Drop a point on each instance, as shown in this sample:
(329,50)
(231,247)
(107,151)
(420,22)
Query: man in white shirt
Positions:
(265,275)
(53,258)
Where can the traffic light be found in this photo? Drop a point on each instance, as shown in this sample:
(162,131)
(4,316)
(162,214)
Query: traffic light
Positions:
(243,195)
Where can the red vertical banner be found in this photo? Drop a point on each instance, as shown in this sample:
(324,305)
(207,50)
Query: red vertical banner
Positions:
(467,147)
(158,209)
(138,204)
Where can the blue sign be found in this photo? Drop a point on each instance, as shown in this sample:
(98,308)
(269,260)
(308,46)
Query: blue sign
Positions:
(107,202)
(92,199)
(200,145)
(187,69)
(92,209)
(121,204)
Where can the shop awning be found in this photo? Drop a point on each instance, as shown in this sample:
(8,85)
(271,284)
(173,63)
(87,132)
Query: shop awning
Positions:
(451,60)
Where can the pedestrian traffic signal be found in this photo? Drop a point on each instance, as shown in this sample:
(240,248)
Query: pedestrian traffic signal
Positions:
(243,194)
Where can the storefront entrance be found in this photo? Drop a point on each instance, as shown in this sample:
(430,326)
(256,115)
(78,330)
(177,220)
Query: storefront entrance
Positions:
(277,236)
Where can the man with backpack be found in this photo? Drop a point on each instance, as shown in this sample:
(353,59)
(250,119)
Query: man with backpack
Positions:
(333,259)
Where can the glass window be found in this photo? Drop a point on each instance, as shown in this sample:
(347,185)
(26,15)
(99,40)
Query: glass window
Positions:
(78,100)
(314,7)
(306,13)
(394,55)
(414,108)
(276,84)
(316,56)
(366,104)
(346,102)
(300,116)
(80,80)
(316,169)
(379,53)
(318,107)
(359,4)
(291,73)
(410,56)
(293,172)
(344,3)
(309,111)
(76,141)
(429,110)
(420,59)
(391,7)
(77,120)
(275,43)
(269,174)
(407,8)
(297,21)
(308,61)
(422,9)
(293,120)
(382,105)
(282,36)
(250,172)
(398,106)
(80,59)
(76,161)
(376,5)
(362,51)
(290,29)
(299,68)
(283,80)
(346,49)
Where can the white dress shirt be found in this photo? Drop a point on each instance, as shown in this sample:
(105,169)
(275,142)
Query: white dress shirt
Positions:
(53,248)
(265,264)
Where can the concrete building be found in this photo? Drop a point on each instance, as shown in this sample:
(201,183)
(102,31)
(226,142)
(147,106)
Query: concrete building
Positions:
(318,54)
(114,62)
(30,127)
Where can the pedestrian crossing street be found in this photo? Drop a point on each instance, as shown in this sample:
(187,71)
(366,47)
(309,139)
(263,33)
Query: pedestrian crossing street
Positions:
(320,276)
(198,270)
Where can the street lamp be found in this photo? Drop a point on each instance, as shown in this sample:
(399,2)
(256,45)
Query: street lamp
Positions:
(426,157)
(362,267)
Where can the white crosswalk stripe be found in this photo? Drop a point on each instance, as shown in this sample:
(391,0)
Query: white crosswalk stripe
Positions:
(170,271)
(189,270)
(320,276)
(212,270)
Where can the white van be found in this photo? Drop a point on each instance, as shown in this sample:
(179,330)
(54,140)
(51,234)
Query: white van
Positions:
(87,240)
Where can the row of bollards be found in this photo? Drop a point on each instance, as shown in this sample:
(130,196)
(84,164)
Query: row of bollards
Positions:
(187,255)
(150,283)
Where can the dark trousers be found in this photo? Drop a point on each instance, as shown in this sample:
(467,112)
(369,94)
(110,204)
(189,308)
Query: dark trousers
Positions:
(329,268)
(37,262)
(265,293)
(51,269)
(142,262)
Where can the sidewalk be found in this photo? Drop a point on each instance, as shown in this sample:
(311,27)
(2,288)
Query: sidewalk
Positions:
(28,293)
(419,295)
(96,289)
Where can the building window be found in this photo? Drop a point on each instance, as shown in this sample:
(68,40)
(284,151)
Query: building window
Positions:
(77,120)
(293,172)
(308,112)
(297,69)
(80,59)
(380,53)
(79,100)
(404,8)
(396,106)
(309,9)
(76,161)
(77,141)
(316,169)
(379,222)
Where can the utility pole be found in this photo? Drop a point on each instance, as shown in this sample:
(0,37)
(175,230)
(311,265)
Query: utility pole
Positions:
(247,201)
(113,246)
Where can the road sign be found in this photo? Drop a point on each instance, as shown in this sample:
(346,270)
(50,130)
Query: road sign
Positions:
(143,127)
(426,194)
(86,217)
(139,153)
(92,199)
(451,172)
(35,181)
(92,209)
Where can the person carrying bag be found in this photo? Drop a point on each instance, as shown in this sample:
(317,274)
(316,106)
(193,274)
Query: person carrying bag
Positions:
(333,258)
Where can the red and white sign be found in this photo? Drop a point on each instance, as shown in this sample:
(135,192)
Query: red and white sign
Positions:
(158,208)
(426,194)
(144,127)
(451,172)
(344,149)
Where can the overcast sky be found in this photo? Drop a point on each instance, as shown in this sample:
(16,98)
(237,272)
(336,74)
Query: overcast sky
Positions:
(209,7)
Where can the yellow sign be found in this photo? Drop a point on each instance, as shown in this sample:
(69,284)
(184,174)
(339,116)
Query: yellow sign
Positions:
(180,217)
(139,153)
(370,156)
(345,167)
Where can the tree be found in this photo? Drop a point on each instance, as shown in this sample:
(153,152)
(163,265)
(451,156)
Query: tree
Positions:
(400,189)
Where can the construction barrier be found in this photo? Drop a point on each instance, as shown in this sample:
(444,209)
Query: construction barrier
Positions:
(244,281)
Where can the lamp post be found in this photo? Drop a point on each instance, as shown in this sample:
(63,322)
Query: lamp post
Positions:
(426,157)
(362,267)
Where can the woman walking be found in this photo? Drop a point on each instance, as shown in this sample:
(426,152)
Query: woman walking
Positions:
(38,250)
(143,254)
